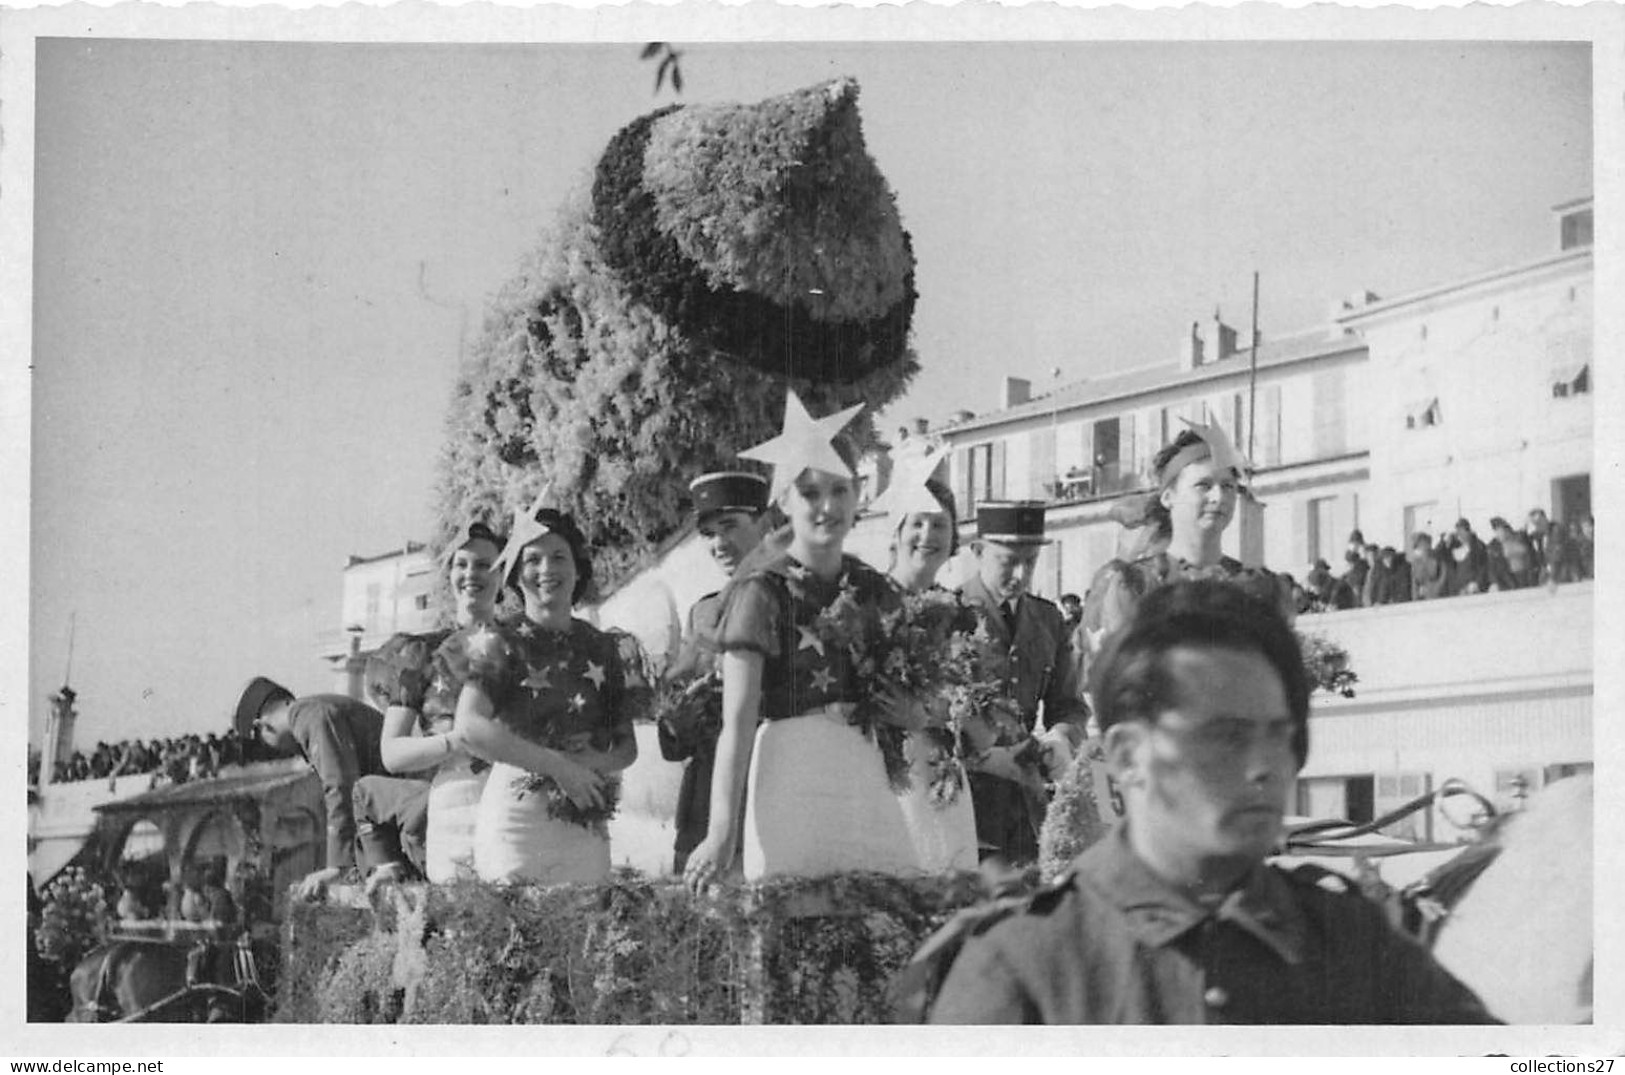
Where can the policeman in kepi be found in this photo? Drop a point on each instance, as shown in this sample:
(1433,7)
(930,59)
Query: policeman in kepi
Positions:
(729,512)
(1036,663)
(1174,916)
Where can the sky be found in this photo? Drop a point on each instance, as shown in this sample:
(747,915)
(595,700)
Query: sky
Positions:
(256,265)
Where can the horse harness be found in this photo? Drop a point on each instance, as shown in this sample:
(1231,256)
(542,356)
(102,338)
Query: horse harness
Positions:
(104,1007)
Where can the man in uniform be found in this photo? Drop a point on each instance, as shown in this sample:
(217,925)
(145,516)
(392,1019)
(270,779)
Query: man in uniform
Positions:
(1038,669)
(1174,916)
(339,738)
(729,514)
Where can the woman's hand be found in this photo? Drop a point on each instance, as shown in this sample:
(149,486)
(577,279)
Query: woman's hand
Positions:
(902,707)
(708,862)
(581,785)
(457,742)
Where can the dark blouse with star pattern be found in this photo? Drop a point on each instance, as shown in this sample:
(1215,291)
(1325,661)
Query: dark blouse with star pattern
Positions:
(425,673)
(774,612)
(566,690)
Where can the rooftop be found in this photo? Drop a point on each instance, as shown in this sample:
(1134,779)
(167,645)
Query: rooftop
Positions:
(1133,382)
(248,783)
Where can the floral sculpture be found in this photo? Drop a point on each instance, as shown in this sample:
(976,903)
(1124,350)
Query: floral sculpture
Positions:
(722,254)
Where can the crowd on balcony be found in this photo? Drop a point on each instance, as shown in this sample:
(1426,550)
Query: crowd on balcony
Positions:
(1456,563)
(174,760)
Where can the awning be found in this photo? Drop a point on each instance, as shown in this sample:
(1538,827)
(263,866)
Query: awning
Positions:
(1422,412)
(1570,374)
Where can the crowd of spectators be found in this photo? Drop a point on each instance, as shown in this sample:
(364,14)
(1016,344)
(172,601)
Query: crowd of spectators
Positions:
(1544,552)
(174,760)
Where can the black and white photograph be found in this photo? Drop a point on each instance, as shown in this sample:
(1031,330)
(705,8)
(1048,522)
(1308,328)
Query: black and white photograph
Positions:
(758,530)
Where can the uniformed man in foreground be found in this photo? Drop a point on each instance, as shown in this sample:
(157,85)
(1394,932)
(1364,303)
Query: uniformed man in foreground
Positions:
(1040,675)
(1174,917)
(729,509)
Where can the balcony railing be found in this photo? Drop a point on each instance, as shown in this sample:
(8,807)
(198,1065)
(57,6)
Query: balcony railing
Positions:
(1095,483)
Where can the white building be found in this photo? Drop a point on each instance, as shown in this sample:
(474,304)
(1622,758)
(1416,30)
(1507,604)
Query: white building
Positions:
(382,595)
(1470,399)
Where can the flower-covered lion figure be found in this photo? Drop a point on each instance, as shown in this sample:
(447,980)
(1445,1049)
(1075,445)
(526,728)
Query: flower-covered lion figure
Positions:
(722,254)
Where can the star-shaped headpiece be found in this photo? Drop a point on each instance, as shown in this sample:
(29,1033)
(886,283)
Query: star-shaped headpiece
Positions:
(804,443)
(1216,445)
(524,530)
(907,494)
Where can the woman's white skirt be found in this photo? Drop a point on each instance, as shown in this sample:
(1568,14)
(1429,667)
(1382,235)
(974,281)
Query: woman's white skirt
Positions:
(818,802)
(454,803)
(516,840)
(944,837)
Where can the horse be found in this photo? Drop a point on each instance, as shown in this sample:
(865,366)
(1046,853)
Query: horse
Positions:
(1513,918)
(130,979)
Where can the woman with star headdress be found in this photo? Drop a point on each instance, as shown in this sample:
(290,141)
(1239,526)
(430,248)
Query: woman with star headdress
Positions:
(1200,478)
(819,800)
(925,535)
(549,702)
(416,680)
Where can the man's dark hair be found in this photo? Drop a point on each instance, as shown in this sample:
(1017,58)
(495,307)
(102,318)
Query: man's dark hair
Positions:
(1132,679)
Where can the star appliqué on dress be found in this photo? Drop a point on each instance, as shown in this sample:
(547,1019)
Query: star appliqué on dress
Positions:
(595,672)
(539,679)
(577,704)
(810,640)
(484,644)
(823,679)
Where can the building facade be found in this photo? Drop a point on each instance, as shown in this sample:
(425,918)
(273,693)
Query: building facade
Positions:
(1471,399)
(1467,400)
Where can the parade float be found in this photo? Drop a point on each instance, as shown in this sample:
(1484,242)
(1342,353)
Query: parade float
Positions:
(722,255)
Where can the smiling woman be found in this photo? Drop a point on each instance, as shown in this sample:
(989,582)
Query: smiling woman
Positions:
(550,702)
(417,681)
(818,799)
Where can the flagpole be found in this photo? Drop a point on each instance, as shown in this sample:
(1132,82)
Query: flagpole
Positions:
(1252,375)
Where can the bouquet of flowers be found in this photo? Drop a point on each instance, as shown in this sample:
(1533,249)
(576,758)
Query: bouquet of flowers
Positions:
(926,647)
(1327,663)
(690,709)
(559,805)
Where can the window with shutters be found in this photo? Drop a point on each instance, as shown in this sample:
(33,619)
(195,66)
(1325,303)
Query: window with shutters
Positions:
(1419,519)
(1330,419)
(1267,432)
(996,471)
(1041,476)
(1107,456)
(1321,531)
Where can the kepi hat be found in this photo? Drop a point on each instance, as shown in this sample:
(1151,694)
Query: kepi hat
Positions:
(256,695)
(1014,522)
(728,490)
